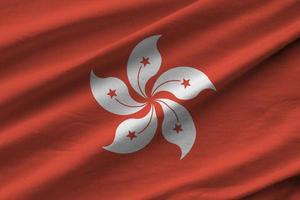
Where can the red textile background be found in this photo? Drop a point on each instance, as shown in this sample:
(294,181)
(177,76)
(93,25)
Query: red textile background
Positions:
(52,129)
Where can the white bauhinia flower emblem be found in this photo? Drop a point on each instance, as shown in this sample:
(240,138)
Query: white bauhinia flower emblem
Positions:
(183,82)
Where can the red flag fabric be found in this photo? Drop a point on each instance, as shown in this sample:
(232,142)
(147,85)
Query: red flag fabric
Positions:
(149,99)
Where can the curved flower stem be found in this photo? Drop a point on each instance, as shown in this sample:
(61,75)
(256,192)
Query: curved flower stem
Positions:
(163,84)
(130,106)
(138,80)
(174,112)
(148,122)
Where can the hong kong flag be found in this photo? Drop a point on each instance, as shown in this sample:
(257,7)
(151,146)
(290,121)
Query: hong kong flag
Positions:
(149,100)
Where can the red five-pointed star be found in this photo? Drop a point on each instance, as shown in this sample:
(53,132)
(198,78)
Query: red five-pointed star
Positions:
(186,83)
(145,61)
(112,93)
(131,135)
(177,128)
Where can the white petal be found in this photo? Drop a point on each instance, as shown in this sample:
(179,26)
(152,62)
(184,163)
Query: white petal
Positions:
(174,79)
(122,103)
(142,131)
(138,73)
(175,115)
